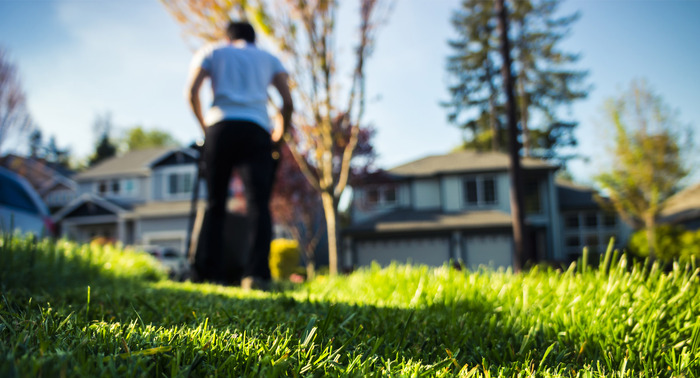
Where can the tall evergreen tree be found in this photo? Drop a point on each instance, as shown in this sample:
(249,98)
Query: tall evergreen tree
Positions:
(104,148)
(544,77)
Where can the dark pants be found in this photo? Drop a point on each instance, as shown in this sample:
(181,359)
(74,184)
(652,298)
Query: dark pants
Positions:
(229,144)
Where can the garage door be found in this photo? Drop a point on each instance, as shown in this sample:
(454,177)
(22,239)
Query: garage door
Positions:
(490,250)
(174,243)
(425,251)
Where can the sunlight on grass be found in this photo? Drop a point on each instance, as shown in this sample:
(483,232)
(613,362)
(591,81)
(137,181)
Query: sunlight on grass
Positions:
(620,318)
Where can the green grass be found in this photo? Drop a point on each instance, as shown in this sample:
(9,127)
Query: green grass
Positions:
(71,310)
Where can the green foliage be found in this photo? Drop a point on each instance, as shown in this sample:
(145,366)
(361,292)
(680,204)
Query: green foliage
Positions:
(619,319)
(137,138)
(544,74)
(647,157)
(284,258)
(672,243)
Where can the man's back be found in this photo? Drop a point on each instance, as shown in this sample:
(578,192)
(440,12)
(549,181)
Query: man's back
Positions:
(240,75)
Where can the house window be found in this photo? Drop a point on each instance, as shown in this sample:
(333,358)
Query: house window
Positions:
(129,186)
(390,195)
(591,220)
(373,196)
(490,191)
(572,221)
(480,190)
(609,220)
(381,195)
(590,229)
(102,187)
(573,241)
(532,198)
(179,183)
(115,186)
(470,191)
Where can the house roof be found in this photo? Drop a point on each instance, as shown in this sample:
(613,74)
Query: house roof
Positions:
(683,205)
(57,182)
(40,173)
(416,221)
(573,196)
(131,163)
(464,161)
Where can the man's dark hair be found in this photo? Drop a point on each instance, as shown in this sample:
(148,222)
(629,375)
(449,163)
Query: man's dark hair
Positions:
(240,30)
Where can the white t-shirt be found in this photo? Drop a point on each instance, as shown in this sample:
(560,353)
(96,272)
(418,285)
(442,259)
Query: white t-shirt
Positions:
(240,76)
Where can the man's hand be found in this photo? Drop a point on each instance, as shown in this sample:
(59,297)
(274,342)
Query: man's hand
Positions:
(278,130)
(281,82)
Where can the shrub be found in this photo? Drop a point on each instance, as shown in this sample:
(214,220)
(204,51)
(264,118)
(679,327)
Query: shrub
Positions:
(673,243)
(284,258)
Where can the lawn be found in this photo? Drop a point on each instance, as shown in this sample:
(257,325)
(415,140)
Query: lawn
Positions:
(75,310)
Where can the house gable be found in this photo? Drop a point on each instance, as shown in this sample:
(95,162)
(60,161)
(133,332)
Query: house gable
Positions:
(89,209)
(89,205)
(176,157)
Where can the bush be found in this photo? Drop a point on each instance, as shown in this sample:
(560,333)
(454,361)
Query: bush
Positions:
(673,243)
(284,258)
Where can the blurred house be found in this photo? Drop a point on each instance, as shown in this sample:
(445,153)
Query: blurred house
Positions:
(53,182)
(456,207)
(140,198)
(683,208)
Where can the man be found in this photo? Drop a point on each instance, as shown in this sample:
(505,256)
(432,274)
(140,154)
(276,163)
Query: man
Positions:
(238,131)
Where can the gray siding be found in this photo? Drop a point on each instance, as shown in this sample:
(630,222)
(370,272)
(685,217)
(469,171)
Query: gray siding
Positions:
(151,225)
(157,180)
(426,194)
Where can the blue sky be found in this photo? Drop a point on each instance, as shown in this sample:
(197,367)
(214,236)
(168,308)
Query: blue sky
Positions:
(82,58)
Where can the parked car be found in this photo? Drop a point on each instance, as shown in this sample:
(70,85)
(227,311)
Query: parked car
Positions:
(173,261)
(21,208)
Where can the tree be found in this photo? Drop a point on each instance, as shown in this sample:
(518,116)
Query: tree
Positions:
(544,79)
(520,244)
(329,106)
(136,138)
(647,157)
(104,148)
(296,206)
(49,152)
(14,116)
(57,155)
(36,143)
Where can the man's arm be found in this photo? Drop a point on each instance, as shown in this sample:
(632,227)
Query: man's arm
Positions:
(280,82)
(196,80)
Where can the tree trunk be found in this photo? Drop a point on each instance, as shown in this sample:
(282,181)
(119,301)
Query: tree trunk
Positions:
(310,270)
(331,212)
(650,225)
(521,252)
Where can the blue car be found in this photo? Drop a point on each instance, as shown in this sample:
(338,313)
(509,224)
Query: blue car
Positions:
(21,208)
